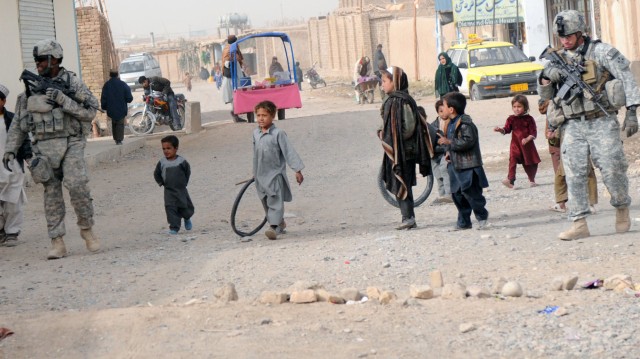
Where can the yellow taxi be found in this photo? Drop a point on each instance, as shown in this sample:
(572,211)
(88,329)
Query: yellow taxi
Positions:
(493,68)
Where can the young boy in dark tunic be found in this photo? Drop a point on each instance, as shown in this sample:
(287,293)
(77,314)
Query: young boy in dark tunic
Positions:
(173,172)
(466,174)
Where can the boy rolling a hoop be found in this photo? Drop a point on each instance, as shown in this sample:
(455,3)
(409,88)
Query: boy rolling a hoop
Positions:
(272,151)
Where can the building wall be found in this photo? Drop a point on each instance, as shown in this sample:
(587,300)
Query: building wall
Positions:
(97,54)
(402,51)
(267,47)
(11,55)
(619,27)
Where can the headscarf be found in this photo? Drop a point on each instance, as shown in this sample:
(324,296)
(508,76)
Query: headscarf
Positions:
(392,141)
(448,77)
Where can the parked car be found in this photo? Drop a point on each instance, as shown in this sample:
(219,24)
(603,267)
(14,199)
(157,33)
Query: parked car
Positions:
(136,65)
(494,69)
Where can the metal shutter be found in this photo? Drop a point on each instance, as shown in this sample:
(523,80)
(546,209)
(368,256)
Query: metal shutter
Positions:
(36,23)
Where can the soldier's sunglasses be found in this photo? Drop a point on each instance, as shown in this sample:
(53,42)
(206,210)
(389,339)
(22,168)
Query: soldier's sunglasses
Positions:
(40,58)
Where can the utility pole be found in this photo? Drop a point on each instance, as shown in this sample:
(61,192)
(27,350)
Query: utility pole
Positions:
(415,37)
(475,16)
(518,24)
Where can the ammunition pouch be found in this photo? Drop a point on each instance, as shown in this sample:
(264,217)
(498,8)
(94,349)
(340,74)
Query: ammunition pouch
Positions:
(54,149)
(615,93)
(41,170)
(590,74)
(39,103)
(555,115)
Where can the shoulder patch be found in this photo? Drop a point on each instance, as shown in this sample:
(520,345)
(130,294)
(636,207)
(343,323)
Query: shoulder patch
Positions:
(613,53)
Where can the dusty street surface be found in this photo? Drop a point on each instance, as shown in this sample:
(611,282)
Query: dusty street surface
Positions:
(151,295)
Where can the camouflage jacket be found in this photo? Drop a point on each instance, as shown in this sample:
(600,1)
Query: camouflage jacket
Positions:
(77,117)
(606,57)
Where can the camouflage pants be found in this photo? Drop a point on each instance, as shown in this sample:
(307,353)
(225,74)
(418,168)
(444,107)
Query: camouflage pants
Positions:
(73,174)
(599,138)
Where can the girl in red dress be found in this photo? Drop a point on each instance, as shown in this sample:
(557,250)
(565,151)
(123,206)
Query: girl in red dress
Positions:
(522,150)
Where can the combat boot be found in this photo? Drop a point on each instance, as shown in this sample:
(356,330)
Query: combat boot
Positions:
(623,221)
(578,230)
(93,245)
(58,250)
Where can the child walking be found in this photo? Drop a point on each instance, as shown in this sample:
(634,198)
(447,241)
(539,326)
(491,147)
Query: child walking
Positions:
(522,150)
(465,163)
(173,172)
(272,151)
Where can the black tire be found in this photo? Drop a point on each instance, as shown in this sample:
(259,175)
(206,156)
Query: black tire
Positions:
(474,94)
(370,95)
(324,83)
(251,117)
(417,201)
(181,114)
(362,98)
(234,211)
(139,125)
(313,84)
(281,114)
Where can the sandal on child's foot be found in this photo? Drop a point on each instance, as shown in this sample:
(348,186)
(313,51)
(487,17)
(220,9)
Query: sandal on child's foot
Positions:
(507,183)
(556,208)
(533,184)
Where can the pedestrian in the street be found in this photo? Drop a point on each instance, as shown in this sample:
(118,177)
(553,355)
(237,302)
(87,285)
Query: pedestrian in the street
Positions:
(586,129)
(448,76)
(548,109)
(227,83)
(462,144)
(522,150)
(379,62)
(116,94)
(299,75)
(272,151)
(161,84)
(275,67)
(58,125)
(404,145)
(172,172)
(438,162)
(12,195)
(204,74)
(187,81)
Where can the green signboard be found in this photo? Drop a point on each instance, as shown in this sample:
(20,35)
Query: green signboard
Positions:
(487,12)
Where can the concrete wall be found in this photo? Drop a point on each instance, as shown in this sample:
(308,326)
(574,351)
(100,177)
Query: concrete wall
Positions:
(402,50)
(266,48)
(619,27)
(12,64)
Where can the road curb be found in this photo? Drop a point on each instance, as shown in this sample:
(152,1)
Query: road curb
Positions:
(113,153)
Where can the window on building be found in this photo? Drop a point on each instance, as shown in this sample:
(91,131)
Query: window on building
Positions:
(37,23)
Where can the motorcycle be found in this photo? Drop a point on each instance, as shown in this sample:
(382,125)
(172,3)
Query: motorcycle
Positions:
(313,78)
(156,112)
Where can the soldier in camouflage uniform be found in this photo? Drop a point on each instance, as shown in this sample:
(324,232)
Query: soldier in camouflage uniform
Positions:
(586,129)
(58,125)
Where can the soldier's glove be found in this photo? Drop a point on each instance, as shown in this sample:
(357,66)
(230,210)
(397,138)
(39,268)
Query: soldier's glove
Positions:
(630,121)
(56,96)
(552,74)
(9,156)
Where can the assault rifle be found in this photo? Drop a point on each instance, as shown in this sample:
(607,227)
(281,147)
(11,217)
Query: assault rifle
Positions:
(572,87)
(37,84)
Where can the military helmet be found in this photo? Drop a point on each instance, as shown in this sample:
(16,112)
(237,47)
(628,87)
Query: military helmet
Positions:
(569,22)
(47,47)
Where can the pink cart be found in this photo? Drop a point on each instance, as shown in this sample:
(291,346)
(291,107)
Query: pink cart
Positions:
(284,93)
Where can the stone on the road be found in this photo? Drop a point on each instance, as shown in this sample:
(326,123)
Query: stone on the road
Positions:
(351,294)
(512,289)
(304,296)
(270,297)
(420,291)
(454,291)
(227,293)
(436,279)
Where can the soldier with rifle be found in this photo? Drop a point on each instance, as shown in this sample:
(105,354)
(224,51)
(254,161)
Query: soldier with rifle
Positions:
(56,109)
(588,81)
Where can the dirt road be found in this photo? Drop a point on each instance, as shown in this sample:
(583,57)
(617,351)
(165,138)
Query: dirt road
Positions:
(149,295)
